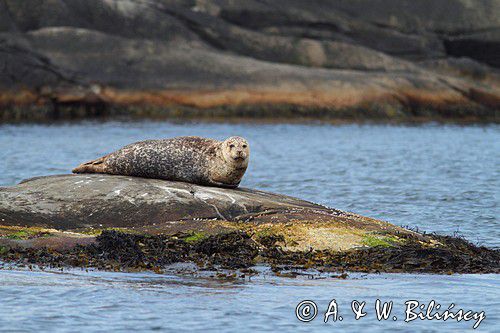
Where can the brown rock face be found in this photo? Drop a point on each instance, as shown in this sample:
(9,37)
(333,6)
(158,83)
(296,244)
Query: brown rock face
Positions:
(330,59)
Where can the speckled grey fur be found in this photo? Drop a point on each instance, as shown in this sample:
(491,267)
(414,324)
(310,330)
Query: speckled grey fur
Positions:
(188,159)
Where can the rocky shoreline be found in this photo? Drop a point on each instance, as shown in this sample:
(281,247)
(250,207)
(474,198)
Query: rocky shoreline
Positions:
(240,252)
(129,224)
(419,108)
(343,61)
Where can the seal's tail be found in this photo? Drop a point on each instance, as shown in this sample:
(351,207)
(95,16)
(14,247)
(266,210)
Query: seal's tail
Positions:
(94,166)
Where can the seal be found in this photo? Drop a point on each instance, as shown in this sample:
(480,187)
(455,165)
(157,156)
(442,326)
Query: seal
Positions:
(188,159)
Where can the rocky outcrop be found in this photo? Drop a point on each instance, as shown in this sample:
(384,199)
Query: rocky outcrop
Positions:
(336,59)
(90,201)
(118,222)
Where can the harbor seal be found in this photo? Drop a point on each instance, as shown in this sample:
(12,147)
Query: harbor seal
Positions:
(188,159)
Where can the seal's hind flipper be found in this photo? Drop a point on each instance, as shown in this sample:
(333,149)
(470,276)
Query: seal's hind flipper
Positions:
(94,166)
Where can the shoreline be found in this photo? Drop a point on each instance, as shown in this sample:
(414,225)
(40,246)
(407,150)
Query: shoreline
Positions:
(238,253)
(267,106)
(45,114)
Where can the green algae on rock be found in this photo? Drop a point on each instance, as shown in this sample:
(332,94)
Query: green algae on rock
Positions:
(128,223)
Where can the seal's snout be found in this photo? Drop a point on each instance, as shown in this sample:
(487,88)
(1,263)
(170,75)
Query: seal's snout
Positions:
(240,155)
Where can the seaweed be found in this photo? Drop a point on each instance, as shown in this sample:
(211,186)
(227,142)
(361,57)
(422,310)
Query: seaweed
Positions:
(117,250)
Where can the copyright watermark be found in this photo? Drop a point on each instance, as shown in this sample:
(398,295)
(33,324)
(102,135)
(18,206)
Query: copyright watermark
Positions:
(307,310)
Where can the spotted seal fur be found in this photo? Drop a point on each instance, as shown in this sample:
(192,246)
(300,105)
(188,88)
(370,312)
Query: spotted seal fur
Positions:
(189,159)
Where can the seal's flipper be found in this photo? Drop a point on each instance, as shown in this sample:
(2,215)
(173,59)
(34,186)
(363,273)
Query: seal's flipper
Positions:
(94,166)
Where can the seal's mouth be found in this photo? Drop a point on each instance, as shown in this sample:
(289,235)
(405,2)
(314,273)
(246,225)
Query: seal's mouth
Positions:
(239,159)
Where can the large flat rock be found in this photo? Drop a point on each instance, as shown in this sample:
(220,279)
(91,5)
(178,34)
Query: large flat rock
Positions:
(82,201)
(88,202)
(117,222)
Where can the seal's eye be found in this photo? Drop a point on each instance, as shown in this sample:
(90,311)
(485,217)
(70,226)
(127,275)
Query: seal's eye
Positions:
(231,146)
(244,146)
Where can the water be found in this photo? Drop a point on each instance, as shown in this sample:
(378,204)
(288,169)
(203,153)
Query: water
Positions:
(124,302)
(443,179)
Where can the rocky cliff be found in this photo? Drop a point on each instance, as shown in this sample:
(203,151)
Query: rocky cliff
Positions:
(352,59)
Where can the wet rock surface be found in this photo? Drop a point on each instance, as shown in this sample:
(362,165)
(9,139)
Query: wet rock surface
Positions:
(127,223)
(348,60)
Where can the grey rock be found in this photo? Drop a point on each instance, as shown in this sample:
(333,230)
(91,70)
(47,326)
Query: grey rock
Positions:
(103,221)
(90,200)
(69,206)
(356,53)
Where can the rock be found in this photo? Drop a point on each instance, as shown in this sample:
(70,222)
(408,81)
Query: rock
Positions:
(123,222)
(334,60)
(90,201)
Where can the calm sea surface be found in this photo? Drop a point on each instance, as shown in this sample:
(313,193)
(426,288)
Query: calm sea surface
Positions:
(443,179)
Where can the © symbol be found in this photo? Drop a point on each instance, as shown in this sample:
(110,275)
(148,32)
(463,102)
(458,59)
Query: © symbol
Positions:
(306,311)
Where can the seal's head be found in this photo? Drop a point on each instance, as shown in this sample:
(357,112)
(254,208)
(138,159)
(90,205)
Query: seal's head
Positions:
(236,151)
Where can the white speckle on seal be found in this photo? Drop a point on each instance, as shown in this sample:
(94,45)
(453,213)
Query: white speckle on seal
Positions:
(117,192)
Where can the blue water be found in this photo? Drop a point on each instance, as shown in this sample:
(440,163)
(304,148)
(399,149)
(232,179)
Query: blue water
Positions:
(444,179)
(84,302)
